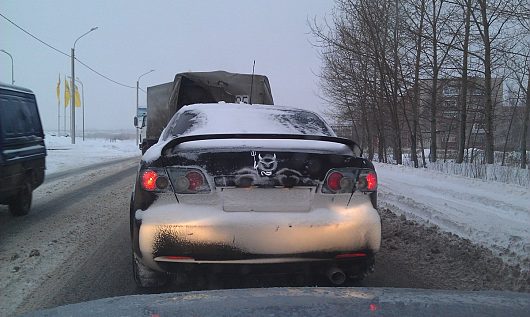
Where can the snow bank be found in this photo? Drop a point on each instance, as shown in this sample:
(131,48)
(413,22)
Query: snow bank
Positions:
(491,214)
(62,155)
(489,172)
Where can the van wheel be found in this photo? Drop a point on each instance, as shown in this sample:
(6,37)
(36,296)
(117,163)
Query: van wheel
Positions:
(20,204)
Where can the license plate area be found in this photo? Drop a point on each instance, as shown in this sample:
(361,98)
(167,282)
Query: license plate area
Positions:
(267,199)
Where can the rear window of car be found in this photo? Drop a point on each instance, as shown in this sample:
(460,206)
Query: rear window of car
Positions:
(234,119)
(18,115)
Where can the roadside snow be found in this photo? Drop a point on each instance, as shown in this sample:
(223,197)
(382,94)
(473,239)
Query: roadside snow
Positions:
(62,155)
(491,214)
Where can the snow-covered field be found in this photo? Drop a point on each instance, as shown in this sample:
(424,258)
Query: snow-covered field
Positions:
(492,214)
(62,155)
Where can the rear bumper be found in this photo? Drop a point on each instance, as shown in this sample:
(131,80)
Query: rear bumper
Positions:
(353,267)
(199,234)
(15,174)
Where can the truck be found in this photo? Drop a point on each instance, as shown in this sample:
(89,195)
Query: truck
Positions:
(165,99)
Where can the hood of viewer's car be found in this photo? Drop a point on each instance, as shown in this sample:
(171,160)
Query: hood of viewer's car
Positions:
(305,302)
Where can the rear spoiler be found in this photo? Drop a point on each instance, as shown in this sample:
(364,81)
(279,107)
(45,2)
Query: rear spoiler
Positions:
(356,149)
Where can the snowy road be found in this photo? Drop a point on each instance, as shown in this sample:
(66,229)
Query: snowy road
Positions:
(494,215)
(70,216)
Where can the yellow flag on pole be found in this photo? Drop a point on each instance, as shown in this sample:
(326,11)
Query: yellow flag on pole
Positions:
(59,91)
(67,96)
(77,98)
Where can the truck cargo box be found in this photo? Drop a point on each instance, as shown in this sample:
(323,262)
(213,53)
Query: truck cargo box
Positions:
(200,87)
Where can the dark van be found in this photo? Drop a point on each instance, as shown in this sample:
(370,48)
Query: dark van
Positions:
(22,149)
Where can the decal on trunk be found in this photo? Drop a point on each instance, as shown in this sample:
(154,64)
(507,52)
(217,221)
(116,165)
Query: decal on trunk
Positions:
(266,164)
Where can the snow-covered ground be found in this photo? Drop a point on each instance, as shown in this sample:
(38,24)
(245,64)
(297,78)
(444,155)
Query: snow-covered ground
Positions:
(62,155)
(492,214)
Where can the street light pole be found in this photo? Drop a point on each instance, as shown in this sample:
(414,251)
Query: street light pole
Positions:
(72,100)
(12,67)
(82,103)
(137,102)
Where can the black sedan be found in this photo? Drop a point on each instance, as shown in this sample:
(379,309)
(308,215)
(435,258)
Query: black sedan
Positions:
(232,187)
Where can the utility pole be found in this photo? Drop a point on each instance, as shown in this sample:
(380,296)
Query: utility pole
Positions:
(59,106)
(72,100)
(64,126)
(82,105)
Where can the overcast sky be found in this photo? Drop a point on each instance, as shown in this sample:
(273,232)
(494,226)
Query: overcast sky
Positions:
(168,36)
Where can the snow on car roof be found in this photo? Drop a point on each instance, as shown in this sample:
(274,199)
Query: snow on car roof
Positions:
(244,118)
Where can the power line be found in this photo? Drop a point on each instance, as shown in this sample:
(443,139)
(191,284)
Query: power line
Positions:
(100,74)
(63,53)
(33,36)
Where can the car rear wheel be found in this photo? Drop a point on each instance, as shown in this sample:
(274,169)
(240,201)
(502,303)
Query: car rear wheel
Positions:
(20,204)
(146,277)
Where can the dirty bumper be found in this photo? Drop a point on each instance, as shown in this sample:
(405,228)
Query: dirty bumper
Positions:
(189,233)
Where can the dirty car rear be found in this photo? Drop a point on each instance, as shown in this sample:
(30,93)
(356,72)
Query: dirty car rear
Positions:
(234,185)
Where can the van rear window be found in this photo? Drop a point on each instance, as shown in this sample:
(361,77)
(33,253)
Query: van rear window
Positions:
(19,116)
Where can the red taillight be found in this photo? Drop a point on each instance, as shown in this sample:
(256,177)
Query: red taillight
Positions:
(333,181)
(338,182)
(190,182)
(149,178)
(371,181)
(195,180)
(346,180)
(175,257)
(367,181)
(350,255)
(153,180)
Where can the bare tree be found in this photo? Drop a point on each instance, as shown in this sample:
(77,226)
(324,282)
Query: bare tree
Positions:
(463,91)
(385,62)
(491,20)
(439,19)
(361,54)
(526,118)
(524,19)
(416,100)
